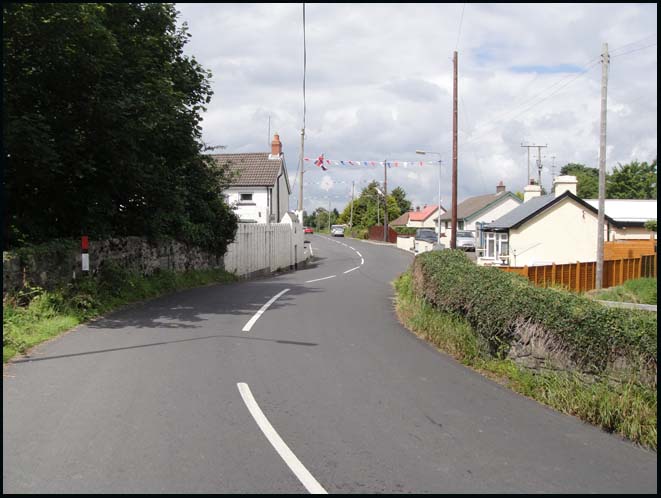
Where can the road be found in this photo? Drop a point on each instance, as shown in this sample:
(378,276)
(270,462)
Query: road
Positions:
(323,391)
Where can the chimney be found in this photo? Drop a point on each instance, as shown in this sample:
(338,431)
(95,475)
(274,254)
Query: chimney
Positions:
(276,147)
(417,208)
(564,183)
(500,187)
(531,191)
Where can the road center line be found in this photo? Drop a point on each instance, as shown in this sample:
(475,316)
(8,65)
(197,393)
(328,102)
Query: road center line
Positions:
(362,261)
(252,321)
(317,279)
(352,269)
(359,254)
(280,446)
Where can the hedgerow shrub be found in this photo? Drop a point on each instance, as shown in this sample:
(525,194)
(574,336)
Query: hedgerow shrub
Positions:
(405,230)
(497,303)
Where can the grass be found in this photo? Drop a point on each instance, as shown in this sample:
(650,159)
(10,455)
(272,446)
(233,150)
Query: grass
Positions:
(640,290)
(34,315)
(627,409)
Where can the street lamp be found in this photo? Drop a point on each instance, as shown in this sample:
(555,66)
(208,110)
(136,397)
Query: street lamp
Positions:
(424,152)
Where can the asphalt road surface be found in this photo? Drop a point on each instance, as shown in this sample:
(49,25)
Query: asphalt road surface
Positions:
(209,391)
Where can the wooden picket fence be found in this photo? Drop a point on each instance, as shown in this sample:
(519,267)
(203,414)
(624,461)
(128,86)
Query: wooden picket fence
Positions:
(581,277)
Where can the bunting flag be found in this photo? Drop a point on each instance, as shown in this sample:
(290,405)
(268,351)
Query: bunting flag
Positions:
(320,162)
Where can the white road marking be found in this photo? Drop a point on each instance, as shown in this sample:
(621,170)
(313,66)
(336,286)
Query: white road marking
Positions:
(352,269)
(359,254)
(311,251)
(280,446)
(317,279)
(252,321)
(362,261)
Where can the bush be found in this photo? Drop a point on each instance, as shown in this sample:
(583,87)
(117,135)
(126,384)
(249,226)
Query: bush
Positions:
(498,304)
(405,230)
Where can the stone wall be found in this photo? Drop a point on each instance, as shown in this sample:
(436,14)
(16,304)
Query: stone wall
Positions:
(50,267)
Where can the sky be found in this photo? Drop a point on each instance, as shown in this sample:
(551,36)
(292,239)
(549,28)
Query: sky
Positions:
(379,84)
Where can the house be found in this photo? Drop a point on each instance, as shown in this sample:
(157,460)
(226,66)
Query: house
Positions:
(631,215)
(423,218)
(260,188)
(559,228)
(474,212)
(400,221)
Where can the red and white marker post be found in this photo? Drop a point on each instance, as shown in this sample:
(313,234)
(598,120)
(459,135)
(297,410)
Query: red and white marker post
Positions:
(85,257)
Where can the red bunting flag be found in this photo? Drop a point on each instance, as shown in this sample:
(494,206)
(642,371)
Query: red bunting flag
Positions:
(320,162)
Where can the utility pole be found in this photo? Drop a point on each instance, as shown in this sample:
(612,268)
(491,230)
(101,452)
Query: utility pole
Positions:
(528,176)
(453,238)
(329,214)
(300,176)
(539,163)
(351,217)
(385,202)
(552,170)
(605,60)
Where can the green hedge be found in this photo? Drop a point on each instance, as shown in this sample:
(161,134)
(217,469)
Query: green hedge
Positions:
(405,230)
(495,303)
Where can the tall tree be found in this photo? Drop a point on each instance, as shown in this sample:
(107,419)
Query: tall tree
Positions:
(588,179)
(101,126)
(632,181)
(400,196)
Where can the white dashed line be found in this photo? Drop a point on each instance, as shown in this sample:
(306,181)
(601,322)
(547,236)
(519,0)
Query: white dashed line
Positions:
(352,269)
(317,279)
(362,261)
(280,446)
(359,254)
(252,321)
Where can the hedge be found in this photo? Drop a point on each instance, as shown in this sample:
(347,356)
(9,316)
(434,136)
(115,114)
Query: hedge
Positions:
(497,304)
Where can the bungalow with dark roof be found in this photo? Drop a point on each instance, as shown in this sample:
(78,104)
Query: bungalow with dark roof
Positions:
(474,212)
(260,189)
(559,228)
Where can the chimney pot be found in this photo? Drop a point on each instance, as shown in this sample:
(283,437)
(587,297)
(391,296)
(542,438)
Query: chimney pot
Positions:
(500,187)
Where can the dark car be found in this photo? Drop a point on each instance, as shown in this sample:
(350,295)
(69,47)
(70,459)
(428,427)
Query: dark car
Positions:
(426,235)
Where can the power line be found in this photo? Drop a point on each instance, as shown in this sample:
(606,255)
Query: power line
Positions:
(634,50)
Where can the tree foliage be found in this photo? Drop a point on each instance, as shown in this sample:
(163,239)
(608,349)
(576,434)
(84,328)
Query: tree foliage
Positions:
(365,212)
(102,127)
(632,181)
(588,179)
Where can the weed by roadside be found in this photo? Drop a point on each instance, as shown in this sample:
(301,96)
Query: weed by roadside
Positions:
(34,315)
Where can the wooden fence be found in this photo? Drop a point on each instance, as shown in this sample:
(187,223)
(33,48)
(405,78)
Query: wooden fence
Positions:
(581,277)
(621,249)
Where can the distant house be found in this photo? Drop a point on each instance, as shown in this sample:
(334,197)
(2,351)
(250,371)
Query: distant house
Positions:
(423,218)
(401,221)
(630,215)
(559,228)
(475,212)
(260,190)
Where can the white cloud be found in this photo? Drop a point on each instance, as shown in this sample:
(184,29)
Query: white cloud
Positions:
(379,86)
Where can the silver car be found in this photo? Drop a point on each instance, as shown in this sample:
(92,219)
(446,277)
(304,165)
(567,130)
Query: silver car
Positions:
(337,230)
(465,240)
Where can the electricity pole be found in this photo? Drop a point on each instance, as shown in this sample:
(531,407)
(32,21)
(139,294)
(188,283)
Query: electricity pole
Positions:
(300,177)
(453,238)
(385,202)
(351,217)
(605,60)
(329,214)
(539,161)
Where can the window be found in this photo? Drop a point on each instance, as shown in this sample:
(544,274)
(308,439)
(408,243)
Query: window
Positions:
(497,245)
(246,197)
(460,225)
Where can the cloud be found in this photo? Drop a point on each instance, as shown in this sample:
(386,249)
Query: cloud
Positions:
(379,86)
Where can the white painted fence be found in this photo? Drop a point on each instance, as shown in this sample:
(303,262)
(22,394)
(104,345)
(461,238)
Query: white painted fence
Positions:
(265,248)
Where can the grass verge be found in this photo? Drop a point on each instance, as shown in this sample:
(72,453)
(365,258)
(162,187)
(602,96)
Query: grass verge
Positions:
(627,409)
(34,315)
(639,290)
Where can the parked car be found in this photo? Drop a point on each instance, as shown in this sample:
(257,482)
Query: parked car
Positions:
(426,235)
(465,240)
(337,230)
(308,230)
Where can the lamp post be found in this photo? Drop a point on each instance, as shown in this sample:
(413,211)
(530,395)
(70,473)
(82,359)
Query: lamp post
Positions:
(424,152)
